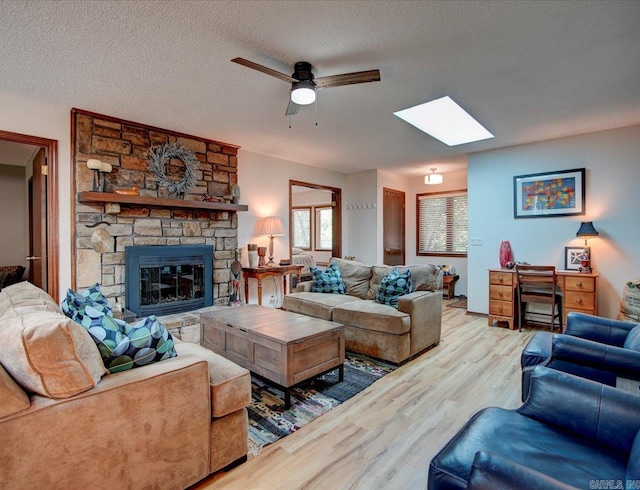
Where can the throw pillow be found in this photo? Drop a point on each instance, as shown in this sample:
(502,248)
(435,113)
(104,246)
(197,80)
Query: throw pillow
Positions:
(392,286)
(633,339)
(74,304)
(328,280)
(125,347)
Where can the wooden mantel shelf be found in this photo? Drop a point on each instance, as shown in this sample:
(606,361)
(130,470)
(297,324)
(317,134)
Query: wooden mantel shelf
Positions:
(112,197)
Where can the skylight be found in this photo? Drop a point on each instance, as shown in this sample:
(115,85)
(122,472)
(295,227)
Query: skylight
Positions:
(445,120)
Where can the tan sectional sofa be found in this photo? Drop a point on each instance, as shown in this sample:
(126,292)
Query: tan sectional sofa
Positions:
(66,423)
(375,329)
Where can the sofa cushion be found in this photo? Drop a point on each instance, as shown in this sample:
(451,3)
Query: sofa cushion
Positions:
(314,304)
(356,276)
(423,277)
(49,354)
(394,285)
(633,339)
(327,281)
(25,297)
(369,315)
(230,383)
(14,399)
(74,303)
(125,347)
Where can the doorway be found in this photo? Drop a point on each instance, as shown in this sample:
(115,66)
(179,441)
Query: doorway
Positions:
(315,224)
(393,231)
(41,248)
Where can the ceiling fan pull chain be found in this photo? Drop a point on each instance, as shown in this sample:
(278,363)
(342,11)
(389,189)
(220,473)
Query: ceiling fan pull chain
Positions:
(316,111)
(289,121)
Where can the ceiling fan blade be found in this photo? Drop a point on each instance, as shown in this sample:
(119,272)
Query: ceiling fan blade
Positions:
(292,108)
(264,69)
(348,79)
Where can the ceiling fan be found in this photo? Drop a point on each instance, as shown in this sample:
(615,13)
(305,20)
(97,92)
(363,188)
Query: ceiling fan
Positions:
(304,83)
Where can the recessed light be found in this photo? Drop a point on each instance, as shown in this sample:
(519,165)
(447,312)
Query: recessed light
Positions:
(445,120)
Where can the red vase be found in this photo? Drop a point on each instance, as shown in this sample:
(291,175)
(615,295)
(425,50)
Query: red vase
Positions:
(505,253)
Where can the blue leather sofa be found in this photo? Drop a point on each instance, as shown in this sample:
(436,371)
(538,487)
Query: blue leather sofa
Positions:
(591,347)
(570,432)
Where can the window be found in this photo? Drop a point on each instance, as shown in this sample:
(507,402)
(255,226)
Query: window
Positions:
(301,228)
(442,223)
(324,228)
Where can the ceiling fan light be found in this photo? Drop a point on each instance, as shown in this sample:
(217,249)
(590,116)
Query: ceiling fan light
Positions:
(303,93)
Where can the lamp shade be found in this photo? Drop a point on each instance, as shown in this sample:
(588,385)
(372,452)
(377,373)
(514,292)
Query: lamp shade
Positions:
(587,229)
(433,178)
(271,226)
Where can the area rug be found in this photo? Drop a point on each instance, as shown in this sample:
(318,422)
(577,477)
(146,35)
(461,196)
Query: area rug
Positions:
(459,304)
(269,421)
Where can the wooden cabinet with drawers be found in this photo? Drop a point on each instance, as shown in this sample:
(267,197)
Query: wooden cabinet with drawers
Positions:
(580,293)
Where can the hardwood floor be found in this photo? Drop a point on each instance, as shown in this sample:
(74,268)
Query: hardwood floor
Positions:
(385,436)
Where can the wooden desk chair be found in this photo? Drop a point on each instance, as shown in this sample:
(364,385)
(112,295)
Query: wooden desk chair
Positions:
(538,284)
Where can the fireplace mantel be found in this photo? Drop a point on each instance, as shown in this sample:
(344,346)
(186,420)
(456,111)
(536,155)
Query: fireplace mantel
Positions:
(148,201)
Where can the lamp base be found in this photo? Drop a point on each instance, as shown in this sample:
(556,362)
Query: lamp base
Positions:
(271,263)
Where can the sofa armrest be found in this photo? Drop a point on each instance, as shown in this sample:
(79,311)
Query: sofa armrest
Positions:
(425,309)
(304,287)
(598,329)
(622,362)
(598,412)
(491,471)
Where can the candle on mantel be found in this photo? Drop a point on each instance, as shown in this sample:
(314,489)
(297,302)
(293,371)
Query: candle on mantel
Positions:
(95,165)
(105,168)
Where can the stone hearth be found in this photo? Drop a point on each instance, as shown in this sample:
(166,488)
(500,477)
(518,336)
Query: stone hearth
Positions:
(124,145)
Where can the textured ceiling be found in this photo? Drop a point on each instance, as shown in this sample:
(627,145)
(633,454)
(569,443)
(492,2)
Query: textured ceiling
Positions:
(528,71)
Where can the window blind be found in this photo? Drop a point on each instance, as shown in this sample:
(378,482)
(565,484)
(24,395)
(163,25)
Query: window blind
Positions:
(442,224)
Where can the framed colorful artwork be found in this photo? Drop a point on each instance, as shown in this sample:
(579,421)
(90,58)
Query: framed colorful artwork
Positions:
(549,194)
(573,256)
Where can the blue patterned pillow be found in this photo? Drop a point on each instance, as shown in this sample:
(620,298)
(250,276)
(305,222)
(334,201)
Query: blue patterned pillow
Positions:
(125,347)
(74,304)
(392,286)
(328,280)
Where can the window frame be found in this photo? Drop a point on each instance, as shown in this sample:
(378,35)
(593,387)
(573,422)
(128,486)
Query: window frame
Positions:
(309,209)
(436,195)
(317,227)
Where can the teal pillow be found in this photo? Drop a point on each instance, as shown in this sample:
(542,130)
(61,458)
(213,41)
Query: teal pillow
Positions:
(328,280)
(125,347)
(392,286)
(74,304)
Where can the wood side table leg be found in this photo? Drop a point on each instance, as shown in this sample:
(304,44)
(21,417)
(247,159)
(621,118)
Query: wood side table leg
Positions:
(246,289)
(260,291)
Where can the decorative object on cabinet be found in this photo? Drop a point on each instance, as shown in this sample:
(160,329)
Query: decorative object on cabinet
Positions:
(253,255)
(272,227)
(573,257)
(506,255)
(105,168)
(127,192)
(235,193)
(580,294)
(549,194)
(157,157)
(262,252)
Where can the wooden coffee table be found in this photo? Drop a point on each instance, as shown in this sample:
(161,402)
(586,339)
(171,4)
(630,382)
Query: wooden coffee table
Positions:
(282,347)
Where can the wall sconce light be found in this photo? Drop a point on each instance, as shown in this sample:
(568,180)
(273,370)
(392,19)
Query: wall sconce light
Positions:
(433,178)
(586,231)
(271,227)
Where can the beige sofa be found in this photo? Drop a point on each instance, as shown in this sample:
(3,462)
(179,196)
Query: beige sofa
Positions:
(372,328)
(66,423)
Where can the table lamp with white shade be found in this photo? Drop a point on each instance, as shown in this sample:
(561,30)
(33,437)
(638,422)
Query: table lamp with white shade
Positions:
(271,226)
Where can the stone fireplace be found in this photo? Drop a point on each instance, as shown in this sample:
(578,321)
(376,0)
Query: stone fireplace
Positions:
(154,218)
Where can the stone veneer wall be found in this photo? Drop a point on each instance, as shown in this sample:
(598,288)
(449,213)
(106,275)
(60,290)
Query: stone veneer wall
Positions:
(124,145)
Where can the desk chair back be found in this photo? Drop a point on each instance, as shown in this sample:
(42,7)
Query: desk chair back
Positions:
(538,284)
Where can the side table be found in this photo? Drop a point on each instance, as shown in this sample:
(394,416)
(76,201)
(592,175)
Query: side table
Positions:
(449,285)
(259,273)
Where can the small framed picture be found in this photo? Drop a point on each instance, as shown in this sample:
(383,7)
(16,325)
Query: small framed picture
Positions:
(573,256)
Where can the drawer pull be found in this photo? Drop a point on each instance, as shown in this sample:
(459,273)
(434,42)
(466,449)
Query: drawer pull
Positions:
(299,341)
(501,294)
(241,329)
(579,301)
(578,284)
(501,279)
(500,309)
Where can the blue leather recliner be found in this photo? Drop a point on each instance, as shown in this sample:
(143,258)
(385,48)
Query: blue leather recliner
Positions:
(569,433)
(591,347)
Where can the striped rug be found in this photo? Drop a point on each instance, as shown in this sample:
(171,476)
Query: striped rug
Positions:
(269,421)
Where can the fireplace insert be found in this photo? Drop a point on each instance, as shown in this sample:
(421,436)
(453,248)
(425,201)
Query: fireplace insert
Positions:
(166,279)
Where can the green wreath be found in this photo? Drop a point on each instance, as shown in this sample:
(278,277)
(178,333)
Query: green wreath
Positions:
(159,154)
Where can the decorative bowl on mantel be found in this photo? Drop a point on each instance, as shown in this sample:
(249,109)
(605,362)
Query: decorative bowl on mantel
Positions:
(128,192)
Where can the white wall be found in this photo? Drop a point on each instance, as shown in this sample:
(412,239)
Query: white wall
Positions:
(264,186)
(612,162)
(36,118)
(14,222)
(360,223)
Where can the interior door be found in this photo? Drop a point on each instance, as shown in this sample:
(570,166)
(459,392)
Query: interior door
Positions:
(38,222)
(393,231)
